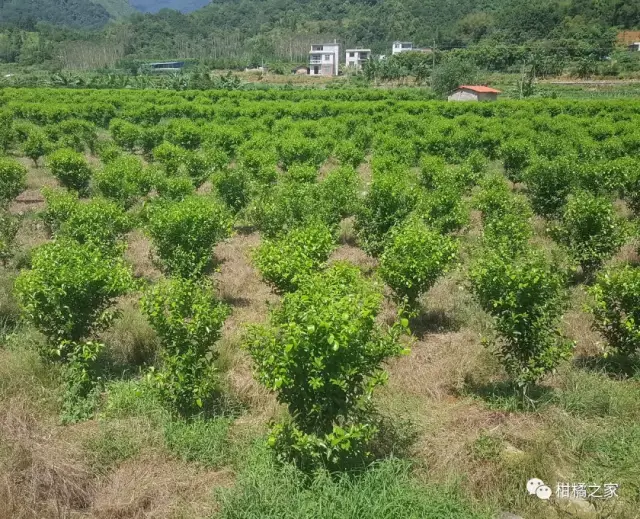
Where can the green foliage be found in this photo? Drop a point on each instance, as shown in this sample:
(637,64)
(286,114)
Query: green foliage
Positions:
(68,292)
(108,152)
(60,206)
(188,319)
(13,176)
(616,308)
(9,226)
(287,260)
(184,133)
(349,153)
(150,137)
(296,149)
(82,377)
(37,145)
(432,170)
(7,132)
(526,297)
(170,156)
(516,155)
(414,258)
(454,72)
(71,169)
(591,231)
(123,180)
(302,173)
(234,187)
(175,187)
(389,201)
(444,208)
(185,232)
(322,354)
(99,223)
(338,195)
(124,134)
(549,183)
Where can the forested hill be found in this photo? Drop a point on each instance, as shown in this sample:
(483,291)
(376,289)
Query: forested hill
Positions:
(282,30)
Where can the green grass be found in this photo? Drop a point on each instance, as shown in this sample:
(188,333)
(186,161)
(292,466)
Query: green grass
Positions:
(201,441)
(386,491)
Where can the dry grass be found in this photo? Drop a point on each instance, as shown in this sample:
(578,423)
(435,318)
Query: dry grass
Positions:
(239,284)
(157,488)
(140,254)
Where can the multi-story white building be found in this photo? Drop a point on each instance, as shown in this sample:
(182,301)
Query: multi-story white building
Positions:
(401,46)
(324,59)
(356,57)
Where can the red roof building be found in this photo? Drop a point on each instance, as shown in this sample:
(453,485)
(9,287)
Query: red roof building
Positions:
(474,93)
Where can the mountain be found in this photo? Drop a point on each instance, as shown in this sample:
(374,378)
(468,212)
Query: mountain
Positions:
(68,13)
(153,6)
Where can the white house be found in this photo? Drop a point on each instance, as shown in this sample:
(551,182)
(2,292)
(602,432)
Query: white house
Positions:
(635,47)
(401,46)
(357,57)
(324,59)
(474,93)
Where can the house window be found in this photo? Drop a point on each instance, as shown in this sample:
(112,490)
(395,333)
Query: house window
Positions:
(352,54)
(327,57)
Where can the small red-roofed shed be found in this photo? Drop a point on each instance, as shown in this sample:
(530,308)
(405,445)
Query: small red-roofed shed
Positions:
(474,93)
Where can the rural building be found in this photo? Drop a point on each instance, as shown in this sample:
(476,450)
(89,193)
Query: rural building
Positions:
(401,46)
(324,59)
(357,57)
(166,66)
(474,93)
(634,47)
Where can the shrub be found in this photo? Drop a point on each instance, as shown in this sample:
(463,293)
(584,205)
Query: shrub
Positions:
(322,353)
(174,188)
(388,202)
(526,297)
(7,132)
(444,208)
(302,173)
(13,177)
(516,155)
(60,205)
(77,135)
(108,152)
(414,258)
(294,148)
(188,319)
(284,262)
(124,133)
(9,226)
(150,138)
(100,223)
(349,153)
(123,180)
(68,291)
(261,164)
(234,187)
(184,133)
(616,308)
(184,233)
(71,169)
(338,195)
(590,230)
(549,183)
(37,145)
(170,156)
(432,170)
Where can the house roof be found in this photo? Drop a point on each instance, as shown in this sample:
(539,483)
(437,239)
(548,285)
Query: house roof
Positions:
(480,89)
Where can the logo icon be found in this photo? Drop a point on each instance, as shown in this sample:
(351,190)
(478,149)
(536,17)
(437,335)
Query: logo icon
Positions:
(537,487)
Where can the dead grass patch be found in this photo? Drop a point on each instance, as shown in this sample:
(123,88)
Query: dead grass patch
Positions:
(140,254)
(354,255)
(157,488)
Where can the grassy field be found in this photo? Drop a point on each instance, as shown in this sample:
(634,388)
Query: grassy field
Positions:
(463,443)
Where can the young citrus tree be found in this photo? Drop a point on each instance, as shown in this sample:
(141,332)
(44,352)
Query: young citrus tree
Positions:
(123,180)
(526,297)
(68,291)
(71,169)
(36,145)
(616,308)
(13,177)
(286,261)
(188,319)
(414,258)
(185,232)
(322,353)
(591,231)
(9,225)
